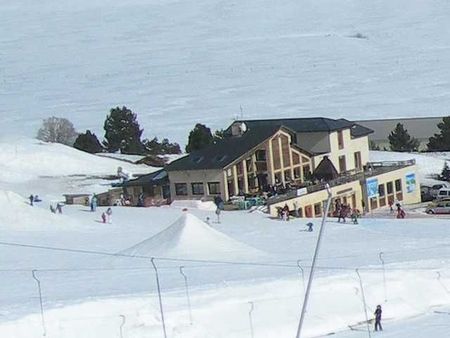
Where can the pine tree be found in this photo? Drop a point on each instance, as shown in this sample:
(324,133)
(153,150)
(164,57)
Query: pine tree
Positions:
(441,141)
(199,138)
(88,142)
(400,140)
(154,147)
(445,174)
(122,132)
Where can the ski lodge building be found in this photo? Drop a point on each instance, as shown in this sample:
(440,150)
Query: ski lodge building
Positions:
(294,159)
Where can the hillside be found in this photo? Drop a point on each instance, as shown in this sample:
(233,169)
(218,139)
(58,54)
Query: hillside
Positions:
(176,63)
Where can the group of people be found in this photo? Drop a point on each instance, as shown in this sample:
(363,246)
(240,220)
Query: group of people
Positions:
(399,210)
(34,198)
(283,213)
(342,211)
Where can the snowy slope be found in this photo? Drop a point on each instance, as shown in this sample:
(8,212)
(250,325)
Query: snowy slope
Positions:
(29,159)
(176,63)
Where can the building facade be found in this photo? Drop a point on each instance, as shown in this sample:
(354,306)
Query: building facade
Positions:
(288,157)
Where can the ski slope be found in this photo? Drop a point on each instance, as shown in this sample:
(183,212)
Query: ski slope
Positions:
(176,63)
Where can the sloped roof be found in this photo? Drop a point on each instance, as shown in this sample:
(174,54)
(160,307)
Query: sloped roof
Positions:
(225,151)
(155,177)
(303,125)
(230,148)
(326,170)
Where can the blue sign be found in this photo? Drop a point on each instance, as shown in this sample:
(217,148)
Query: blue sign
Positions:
(372,187)
(411,182)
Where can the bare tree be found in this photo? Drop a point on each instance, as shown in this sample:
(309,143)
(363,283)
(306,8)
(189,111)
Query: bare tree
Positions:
(57,130)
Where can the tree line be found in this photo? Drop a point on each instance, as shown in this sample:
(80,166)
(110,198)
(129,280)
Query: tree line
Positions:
(400,140)
(122,134)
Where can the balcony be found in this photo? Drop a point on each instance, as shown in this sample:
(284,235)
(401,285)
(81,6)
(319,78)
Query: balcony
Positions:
(370,170)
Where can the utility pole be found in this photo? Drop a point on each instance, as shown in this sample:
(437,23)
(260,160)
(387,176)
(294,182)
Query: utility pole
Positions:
(313,265)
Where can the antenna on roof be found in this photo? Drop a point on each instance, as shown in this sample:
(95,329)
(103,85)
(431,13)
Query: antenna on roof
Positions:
(242,112)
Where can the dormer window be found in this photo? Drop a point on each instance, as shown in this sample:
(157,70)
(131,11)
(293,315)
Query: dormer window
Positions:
(340,139)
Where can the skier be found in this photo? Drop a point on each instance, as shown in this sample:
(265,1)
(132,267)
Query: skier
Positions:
(355,215)
(59,207)
(310,226)
(31,198)
(93,202)
(285,213)
(377,314)
(342,213)
(391,203)
(52,209)
(109,214)
(103,217)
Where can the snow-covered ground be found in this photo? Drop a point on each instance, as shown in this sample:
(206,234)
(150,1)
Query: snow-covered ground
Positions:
(90,284)
(176,63)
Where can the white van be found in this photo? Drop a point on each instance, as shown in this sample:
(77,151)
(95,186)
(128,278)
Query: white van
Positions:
(443,193)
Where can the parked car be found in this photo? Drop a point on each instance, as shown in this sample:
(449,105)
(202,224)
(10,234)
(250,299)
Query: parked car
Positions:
(443,193)
(441,207)
(435,188)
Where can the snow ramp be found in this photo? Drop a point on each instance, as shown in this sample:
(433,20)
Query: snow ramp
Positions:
(191,238)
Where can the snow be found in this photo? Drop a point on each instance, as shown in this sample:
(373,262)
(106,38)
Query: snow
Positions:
(191,238)
(247,257)
(176,63)
(428,164)
(194,204)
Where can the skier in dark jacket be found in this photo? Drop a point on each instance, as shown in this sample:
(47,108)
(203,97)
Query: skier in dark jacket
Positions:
(378,318)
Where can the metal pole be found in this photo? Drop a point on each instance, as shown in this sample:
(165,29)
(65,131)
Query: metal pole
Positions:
(33,273)
(159,296)
(252,306)
(122,325)
(303,275)
(364,302)
(187,293)
(384,276)
(313,265)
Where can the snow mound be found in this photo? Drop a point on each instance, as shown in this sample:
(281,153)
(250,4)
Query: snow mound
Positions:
(190,238)
(17,214)
(27,159)
(194,204)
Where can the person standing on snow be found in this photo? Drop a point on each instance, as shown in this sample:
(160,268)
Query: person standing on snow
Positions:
(377,314)
(109,215)
(31,198)
(103,217)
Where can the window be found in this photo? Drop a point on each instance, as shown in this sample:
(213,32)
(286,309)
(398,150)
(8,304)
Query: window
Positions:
(381,191)
(297,173)
(340,139)
(214,188)
(390,188)
(342,166)
(181,189)
(306,172)
(260,155)
(398,185)
(197,189)
(358,163)
(318,209)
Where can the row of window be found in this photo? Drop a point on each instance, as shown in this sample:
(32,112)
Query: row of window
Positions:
(197,188)
(390,187)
